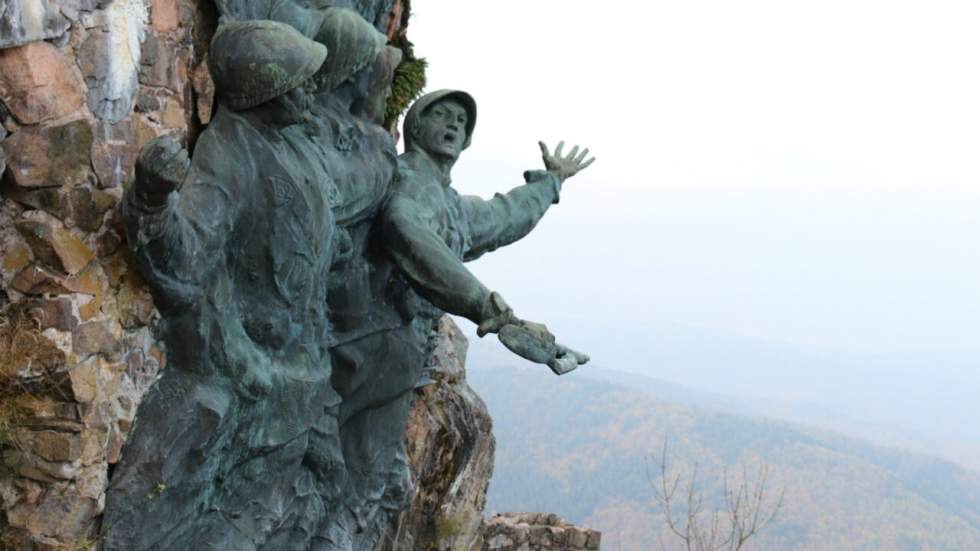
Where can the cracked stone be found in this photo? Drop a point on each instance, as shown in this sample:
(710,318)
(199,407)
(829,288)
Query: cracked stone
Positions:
(55,246)
(37,83)
(51,156)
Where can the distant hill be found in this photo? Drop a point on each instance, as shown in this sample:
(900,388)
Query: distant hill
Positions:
(922,401)
(582,448)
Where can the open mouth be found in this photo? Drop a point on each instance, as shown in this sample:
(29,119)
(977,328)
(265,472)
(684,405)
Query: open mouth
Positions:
(450,137)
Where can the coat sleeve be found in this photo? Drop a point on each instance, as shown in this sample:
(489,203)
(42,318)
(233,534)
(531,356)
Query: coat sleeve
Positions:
(510,216)
(178,244)
(429,264)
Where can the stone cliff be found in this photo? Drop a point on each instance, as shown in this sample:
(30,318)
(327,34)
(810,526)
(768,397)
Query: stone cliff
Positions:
(83,85)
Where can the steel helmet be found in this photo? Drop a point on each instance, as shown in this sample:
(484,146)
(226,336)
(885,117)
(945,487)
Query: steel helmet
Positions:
(423,103)
(255,61)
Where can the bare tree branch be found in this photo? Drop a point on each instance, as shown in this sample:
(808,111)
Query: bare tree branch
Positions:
(745,508)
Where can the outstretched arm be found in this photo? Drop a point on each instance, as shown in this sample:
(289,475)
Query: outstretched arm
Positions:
(432,268)
(509,217)
(439,276)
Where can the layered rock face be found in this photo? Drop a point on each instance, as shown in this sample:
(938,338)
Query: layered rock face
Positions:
(451,449)
(450,446)
(82,86)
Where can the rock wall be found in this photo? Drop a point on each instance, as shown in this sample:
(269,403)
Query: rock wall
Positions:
(83,85)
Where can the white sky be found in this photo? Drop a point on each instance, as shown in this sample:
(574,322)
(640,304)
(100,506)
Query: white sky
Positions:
(802,171)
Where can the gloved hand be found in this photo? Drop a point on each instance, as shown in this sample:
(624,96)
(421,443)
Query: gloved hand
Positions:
(496,314)
(532,341)
(161,168)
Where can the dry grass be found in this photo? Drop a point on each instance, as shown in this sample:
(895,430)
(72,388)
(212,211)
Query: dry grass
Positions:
(21,343)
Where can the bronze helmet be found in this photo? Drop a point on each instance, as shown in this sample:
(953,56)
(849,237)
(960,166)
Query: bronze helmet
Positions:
(255,61)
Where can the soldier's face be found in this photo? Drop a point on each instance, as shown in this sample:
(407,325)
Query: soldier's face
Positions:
(441,130)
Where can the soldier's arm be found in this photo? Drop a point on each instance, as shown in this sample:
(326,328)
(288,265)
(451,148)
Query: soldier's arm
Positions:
(509,216)
(176,235)
(432,268)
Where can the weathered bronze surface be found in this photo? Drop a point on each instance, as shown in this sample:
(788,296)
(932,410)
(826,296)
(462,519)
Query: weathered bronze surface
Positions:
(300,266)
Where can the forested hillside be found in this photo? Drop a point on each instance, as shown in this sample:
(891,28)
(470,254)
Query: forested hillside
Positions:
(583,449)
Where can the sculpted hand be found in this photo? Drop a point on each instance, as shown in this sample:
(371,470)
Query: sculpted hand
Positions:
(496,314)
(161,167)
(534,342)
(564,167)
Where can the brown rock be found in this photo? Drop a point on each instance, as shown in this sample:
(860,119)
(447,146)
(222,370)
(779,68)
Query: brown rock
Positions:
(114,164)
(96,337)
(203,87)
(37,83)
(66,515)
(164,15)
(135,303)
(33,467)
(89,207)
(173,115)
(149,100)
(53,245)
(53,446)
(108,243)
(53,313)
(16,257)
(91,308)
(84,381)
(50,156)
(157,67)
(48,199)
(87,281)
(35,280)
(114,266)
(145,130)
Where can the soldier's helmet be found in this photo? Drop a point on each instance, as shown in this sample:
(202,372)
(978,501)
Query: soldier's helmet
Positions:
(418,108)
(255,61)
(353,43)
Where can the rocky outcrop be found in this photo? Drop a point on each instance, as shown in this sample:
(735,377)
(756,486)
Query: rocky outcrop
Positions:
(535,532)
(450,447)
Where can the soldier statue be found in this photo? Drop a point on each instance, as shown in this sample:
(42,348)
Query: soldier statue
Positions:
(416,252)
(236,248)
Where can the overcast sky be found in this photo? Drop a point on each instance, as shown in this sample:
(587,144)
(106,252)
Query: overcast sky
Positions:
(800,171)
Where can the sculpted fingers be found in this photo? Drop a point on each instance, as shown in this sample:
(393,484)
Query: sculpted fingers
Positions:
(558,149)
(571,154)
(581,156)
(544,150)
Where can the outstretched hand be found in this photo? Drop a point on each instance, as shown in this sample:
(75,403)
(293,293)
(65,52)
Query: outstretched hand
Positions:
(564,167)
(161,167)
(534,342)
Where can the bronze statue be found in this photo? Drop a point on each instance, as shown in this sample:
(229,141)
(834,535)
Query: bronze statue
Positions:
(416,254)
(236,248)
(300,266)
